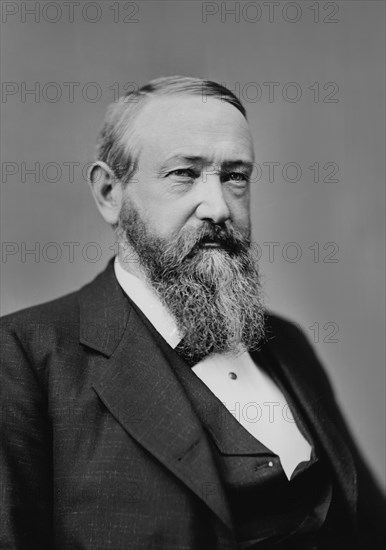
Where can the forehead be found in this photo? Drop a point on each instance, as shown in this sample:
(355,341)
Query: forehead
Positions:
(187,125)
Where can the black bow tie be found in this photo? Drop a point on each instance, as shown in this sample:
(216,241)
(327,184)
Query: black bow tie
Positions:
(190,359)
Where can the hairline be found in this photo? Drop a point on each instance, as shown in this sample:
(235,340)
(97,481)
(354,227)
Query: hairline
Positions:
(115,144)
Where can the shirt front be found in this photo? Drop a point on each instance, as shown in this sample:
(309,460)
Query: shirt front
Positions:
(248,393)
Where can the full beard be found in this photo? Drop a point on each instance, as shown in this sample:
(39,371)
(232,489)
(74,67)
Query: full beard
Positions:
(213,294)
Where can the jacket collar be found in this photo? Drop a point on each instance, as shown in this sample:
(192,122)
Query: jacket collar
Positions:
(135,382)
(104,312)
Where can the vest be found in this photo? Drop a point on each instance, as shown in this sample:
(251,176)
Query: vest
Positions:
(269,511)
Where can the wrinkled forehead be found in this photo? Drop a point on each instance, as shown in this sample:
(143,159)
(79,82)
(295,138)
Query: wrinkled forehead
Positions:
(192,125)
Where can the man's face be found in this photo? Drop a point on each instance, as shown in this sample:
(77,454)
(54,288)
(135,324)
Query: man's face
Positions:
(193,165)
(186,216)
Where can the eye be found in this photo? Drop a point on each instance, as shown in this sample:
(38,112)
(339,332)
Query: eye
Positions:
(184,173)
(237,177)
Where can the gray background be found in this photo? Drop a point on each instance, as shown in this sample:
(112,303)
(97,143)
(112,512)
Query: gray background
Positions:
(340,289)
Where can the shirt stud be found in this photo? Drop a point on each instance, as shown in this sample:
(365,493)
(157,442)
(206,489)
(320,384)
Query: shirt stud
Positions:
(232,375)
(270,464)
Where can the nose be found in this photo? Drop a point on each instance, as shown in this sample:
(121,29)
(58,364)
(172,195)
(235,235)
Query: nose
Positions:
(212,204)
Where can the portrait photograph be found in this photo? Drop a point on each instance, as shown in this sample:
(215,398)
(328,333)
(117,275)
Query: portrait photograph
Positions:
(192,290)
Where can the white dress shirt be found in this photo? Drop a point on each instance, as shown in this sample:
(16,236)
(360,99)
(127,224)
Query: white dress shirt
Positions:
(244,389)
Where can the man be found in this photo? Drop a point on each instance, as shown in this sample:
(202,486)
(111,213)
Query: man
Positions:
(132,409)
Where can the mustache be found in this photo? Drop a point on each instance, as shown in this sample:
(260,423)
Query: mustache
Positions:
(226,238)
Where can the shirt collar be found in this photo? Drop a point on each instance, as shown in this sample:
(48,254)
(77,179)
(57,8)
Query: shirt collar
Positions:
(149,303)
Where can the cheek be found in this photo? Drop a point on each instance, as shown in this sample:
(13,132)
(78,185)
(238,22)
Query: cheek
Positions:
(239,207)
(243,225)
(163,211)
(165,220)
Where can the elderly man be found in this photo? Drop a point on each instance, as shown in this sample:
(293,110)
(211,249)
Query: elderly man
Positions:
(161,406)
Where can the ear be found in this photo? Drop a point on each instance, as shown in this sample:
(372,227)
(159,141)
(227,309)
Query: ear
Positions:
(106,190)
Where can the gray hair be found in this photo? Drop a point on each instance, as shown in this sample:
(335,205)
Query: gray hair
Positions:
(119,156)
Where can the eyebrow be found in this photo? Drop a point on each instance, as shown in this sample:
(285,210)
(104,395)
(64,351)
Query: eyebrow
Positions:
(193,159)
(231,164)
(226,165)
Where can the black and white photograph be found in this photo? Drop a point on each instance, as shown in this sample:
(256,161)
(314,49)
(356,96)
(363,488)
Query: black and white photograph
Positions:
(192,290)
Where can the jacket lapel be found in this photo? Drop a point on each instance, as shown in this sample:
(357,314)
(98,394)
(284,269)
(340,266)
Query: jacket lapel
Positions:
(137,385)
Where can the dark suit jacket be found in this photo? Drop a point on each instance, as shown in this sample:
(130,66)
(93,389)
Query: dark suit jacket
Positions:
(101,448)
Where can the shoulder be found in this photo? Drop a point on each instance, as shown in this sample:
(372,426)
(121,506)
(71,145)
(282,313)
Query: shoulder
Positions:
(50,312)
(39,329)
(59,313)
(280,331)
(287,342)
(30,335)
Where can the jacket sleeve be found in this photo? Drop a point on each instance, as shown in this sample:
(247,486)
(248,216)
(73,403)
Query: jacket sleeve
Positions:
(25,450)
(370,517)
(371,501)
